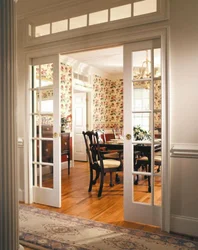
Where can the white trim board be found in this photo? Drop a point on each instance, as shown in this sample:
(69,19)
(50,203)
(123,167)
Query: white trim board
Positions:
(21,194)
(184,225)
(184,150)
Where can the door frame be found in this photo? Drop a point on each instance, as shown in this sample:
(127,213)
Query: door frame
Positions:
(107,40)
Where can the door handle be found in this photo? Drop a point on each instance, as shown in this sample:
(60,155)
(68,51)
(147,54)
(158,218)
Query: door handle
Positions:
(55,135)
(128,136)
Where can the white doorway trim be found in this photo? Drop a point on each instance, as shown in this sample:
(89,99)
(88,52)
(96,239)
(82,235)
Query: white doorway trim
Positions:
(105,40)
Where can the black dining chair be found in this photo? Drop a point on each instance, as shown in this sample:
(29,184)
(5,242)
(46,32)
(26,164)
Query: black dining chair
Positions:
(144,161)
(97,162)
(111,154)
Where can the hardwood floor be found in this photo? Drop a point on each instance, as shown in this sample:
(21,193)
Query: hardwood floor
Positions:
(77,201)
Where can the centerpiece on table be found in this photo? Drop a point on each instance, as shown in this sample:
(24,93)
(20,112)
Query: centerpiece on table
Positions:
(141,134)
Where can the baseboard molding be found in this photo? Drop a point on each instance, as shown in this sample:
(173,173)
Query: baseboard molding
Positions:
(21,195)
(64,164)
(184,225)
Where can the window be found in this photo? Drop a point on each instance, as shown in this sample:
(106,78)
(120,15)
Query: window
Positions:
(89,16)
(120,12)
(78,22)
(30,30)
(59,26)
(98,17)
(141,99)
(141,102)
(144,7)
(42,30)
(47,106)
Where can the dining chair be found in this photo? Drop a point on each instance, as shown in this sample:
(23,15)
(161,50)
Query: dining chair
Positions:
(111,154)
(65,147)
(118,133)
(143,161)
(158,160)
(97,163)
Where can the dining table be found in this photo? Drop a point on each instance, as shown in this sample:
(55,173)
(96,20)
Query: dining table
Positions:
(144,149)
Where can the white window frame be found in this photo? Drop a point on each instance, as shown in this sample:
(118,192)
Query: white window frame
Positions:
(162,13)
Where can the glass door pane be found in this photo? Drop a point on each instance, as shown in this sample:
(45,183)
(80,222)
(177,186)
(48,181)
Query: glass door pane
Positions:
(44,96)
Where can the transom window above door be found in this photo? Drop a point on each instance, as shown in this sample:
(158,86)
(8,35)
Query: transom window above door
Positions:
(90,14)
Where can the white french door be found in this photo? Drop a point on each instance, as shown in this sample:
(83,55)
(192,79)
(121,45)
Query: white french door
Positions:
(45,156)
(143,129)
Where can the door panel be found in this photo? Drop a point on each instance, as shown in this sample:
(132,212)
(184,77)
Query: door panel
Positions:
(142,153)
(45,131)
(79,126)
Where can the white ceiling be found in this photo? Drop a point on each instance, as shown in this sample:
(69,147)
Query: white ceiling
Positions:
(108,60)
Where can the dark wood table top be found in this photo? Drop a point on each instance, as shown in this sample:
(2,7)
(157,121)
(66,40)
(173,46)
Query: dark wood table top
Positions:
(112,146)
(138,147)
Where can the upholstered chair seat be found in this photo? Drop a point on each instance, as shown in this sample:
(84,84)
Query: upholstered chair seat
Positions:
(110,163)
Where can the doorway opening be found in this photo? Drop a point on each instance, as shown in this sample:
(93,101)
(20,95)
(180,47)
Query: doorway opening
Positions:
(97,76)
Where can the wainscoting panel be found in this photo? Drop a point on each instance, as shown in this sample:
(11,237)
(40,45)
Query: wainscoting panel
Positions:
(184,192)
(184,225)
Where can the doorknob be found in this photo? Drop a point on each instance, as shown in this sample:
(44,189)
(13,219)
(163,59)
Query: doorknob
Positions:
(55,135)
(128,137)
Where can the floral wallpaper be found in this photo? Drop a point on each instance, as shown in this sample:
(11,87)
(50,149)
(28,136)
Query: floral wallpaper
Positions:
(107,103)
(107,99)
(46,71)
(65,90)
(157,103)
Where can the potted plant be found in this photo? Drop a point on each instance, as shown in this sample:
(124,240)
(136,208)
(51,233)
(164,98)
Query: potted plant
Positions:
(141,134)
(65,122)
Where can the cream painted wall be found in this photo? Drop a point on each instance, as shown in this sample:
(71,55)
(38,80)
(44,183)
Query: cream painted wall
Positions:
(183,58)
(29,6)
(184,104)
(184,70)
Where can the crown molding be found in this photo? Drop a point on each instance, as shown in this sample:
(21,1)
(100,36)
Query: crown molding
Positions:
(49,8)
(70,3)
